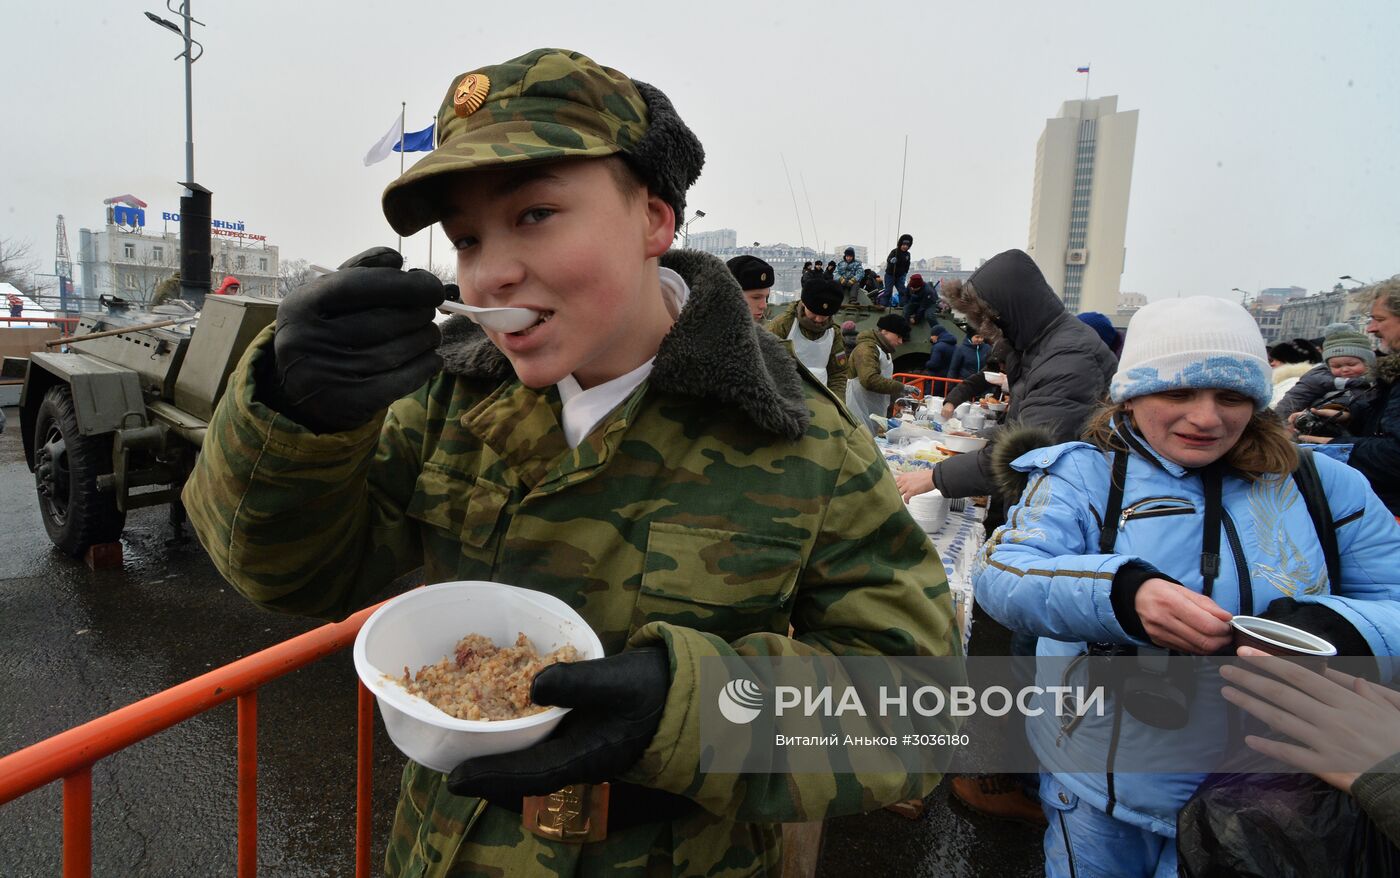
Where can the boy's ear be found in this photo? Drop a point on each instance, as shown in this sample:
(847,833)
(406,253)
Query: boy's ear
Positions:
(661,225)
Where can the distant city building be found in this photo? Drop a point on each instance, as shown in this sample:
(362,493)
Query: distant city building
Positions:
(1079,207)
(709,242)
(128,258)
(1306,316)
(1275,296)
(1269,318)
(945,263)
(862,253)
(1131,301)
(786,260)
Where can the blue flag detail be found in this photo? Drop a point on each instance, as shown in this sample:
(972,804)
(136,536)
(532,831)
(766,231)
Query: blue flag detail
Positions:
(416,141)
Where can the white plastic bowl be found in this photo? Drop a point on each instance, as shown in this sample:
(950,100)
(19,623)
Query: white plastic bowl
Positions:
(961,444)
(995,406)
(422,626)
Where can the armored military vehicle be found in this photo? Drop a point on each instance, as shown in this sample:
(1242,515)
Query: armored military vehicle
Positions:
(115,423)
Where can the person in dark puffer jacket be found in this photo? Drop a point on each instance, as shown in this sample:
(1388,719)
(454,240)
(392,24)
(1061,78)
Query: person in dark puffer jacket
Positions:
(941,353)
(970,357)
(1058,369)
(896,267)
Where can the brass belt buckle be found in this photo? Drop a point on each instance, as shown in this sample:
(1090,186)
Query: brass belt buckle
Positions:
(577,814)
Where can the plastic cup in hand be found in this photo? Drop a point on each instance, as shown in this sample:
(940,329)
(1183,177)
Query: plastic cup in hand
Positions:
(1279,639)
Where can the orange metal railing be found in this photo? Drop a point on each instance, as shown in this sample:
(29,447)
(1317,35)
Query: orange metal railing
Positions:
(927,384)
(70,755)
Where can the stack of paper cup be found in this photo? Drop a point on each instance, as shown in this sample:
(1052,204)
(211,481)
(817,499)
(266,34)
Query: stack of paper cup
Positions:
(929,510)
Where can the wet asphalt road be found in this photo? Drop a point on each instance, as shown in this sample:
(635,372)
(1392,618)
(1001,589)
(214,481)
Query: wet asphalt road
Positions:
(75,644)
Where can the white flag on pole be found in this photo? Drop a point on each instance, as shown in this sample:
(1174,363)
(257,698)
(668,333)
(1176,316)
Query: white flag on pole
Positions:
(385,147)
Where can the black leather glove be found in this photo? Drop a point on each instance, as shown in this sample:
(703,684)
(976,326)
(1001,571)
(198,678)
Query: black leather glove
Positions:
(351,342)
(617,703)
(1320,620)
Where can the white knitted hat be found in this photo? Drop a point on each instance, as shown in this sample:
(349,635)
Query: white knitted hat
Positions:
(1201,342)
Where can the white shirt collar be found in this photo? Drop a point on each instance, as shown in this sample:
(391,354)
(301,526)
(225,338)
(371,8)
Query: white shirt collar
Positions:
(585,409)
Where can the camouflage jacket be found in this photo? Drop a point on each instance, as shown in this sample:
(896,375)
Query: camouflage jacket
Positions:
(729,497)
(849,274)
(864,364)
(781,326)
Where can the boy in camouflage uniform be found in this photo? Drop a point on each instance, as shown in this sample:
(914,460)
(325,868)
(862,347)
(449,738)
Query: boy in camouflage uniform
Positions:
(643,452)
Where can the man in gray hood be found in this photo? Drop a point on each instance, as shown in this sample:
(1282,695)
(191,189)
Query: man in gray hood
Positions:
(1058,369)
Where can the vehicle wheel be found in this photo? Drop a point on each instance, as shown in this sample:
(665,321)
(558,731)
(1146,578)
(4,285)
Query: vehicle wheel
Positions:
(66,466)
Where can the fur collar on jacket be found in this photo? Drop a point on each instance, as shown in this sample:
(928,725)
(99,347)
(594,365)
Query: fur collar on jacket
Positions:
(1011,442)
(1291,370)
(1388,368)
(713,351)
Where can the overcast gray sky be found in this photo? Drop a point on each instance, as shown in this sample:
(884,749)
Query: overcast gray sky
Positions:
(1268,144)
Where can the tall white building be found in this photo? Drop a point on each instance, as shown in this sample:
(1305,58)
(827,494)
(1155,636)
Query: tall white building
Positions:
(1079,210)
(718,239)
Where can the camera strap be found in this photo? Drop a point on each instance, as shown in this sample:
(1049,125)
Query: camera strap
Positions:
(1212,482)
(1117,483)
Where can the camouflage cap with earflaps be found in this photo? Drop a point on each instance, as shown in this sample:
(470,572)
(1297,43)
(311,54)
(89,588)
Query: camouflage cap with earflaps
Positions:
(545,105)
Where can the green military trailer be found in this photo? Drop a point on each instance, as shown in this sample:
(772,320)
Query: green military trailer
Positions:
(115,422)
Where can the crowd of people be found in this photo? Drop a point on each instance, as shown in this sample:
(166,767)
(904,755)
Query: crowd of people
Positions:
(699,482)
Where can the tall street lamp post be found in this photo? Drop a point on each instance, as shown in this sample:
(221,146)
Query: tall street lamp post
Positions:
(685,228)
(196,252)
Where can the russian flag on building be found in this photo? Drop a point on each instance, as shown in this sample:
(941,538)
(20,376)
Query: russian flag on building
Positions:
(1084,69)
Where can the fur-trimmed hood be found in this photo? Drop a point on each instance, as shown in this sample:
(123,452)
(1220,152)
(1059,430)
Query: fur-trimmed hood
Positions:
(1010,294)
(1011,442)
(713,351)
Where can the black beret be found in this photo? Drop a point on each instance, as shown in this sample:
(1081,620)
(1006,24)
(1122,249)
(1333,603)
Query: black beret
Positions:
(751,272)
(896,324)
(822,296)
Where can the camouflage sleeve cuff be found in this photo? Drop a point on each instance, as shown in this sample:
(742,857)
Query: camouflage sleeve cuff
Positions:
(1378,792)
(672,759)
(282,435)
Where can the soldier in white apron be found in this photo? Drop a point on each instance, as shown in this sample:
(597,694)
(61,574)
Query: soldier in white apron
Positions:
(871,389)
(811,332)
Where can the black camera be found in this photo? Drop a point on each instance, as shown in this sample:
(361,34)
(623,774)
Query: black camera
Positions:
(1159,691)
(1310,424)
(1156,686)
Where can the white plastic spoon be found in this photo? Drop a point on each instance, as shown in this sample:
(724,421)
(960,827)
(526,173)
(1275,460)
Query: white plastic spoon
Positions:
(499,319)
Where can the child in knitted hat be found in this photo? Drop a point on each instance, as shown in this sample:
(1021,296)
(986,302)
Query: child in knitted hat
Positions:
(1348,354)
(1349,360)
(1343,383)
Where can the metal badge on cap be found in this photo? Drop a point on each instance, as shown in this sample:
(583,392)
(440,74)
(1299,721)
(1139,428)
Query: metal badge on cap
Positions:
(470,94)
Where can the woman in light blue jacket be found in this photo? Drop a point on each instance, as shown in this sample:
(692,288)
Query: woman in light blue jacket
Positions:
(1188,439)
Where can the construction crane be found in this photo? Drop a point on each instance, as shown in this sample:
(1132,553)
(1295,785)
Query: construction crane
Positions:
(62,265)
